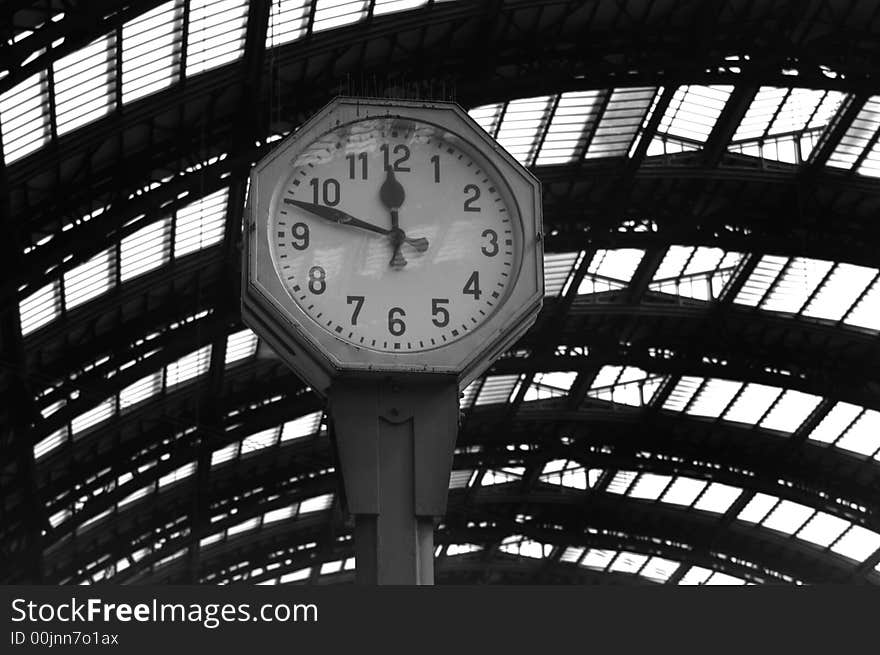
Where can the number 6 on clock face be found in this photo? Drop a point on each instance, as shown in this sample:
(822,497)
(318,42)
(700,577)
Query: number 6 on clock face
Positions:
(395,235)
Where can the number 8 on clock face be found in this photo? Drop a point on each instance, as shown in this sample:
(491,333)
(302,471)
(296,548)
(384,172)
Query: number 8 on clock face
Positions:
(395,235)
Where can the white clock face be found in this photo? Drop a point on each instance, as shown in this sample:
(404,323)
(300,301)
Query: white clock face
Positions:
(395,235)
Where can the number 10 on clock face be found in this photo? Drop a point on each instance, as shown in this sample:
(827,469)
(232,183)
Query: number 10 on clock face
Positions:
(395,235)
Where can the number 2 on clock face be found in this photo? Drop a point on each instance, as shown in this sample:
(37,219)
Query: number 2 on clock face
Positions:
(395,236)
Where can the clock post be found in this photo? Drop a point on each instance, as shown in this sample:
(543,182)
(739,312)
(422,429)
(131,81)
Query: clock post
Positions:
(392,253)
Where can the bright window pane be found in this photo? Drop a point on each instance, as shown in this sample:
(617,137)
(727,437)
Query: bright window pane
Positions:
(145,250)
(39,308)
(216,33)
(24,117)
(151,46)
(84,84)
(200,224)
(89,280)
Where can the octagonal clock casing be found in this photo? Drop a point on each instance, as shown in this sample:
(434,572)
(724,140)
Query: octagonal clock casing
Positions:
(322,352)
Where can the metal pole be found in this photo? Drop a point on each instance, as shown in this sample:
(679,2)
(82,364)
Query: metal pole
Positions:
(395,440)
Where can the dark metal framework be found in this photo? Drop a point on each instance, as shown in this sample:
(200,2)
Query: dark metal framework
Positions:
(476,53)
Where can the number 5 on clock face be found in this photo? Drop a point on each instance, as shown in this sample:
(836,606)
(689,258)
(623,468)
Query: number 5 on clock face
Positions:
(395,235)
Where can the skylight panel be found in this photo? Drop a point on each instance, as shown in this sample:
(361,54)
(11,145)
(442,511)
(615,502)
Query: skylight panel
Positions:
(649,486)
(765,273)
(673,263)
(659,569)
(863,436)
(788,517)
(571,554)
(857,543)
(572,122)
(316,504)
(336,13)
(145,250)
(146,387)
(488,116)
(460,479)
(89,280)
(681,395)
(240,345)
(627,562)
(621,482)
(177,474)
(39,308)
(388,6)
(224,454)
(566,473)
(840,291)
(135,496)
(188,367)
(280,514)
(620,121)
(796,284)
(866,312)
(24,117)
(83,84)
(823,529)
(497,389)
(696,575)
(790,411)
(151,46)
(684,491)
(288,21)
(752,403)
(501,476)
(597,559)
(719,579)
(517,545)
(93,417)
(619,264)
(857,136)
(304,426)
(244,526)
(694,110)
(260,440)
(717,498)
(760,113)
(522,126)
(200,224)
(550,385)
(216,33)
(835,422)
(714,397)
(50,443)
(295,576)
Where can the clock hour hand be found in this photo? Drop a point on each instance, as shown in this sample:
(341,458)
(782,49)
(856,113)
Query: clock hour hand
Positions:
(392,195)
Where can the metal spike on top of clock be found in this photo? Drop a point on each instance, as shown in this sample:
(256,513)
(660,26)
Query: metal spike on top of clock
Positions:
(393,194)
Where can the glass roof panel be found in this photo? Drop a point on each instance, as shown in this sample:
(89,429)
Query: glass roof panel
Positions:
(788,517)
(619,264)
(760,113)
(752,403)
(841,290)
(627,562)
(628,385)
(216,33)
(790,411)
(90,279)
(796,284)
(280,514)
(460,479)
(621,482)
(597,559)
(870,165)
(714,397)
(316,504)
(866,312)
(240,345)
(757,508)
(518,545)
(497,389)
(50,443)
(571,554)
(336,13)
(681,395)
(188,367)
(572,122)
(288,21)
(659,569)
(557,269)
(145,249)
(521,128)
(550,385)
(144,388)
(24,117)
(684,491)
(823,529)
(260,440)
(718,498)
(83,84)
(244,526)
(304,426)
(835,422)
(765,273)
(719,578)
(649,486)
(857,543)
(94,416)
(387,6)
(178,474)
(40,308)
(863,436)
(200,224)
(694,110)
(857,136)
(700,273)
(225,454)
(696,575)
(151,47)
(620,121)
(488,116)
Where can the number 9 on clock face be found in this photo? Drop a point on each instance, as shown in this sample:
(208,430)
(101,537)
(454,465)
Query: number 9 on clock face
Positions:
(395,235)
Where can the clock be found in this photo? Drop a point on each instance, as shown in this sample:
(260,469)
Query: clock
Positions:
(391,236)
(395,235)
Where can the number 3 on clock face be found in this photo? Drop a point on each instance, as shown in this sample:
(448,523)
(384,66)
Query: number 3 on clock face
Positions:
(395,235)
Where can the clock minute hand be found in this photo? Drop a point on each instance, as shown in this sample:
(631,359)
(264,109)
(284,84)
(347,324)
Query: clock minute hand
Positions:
(336,216)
